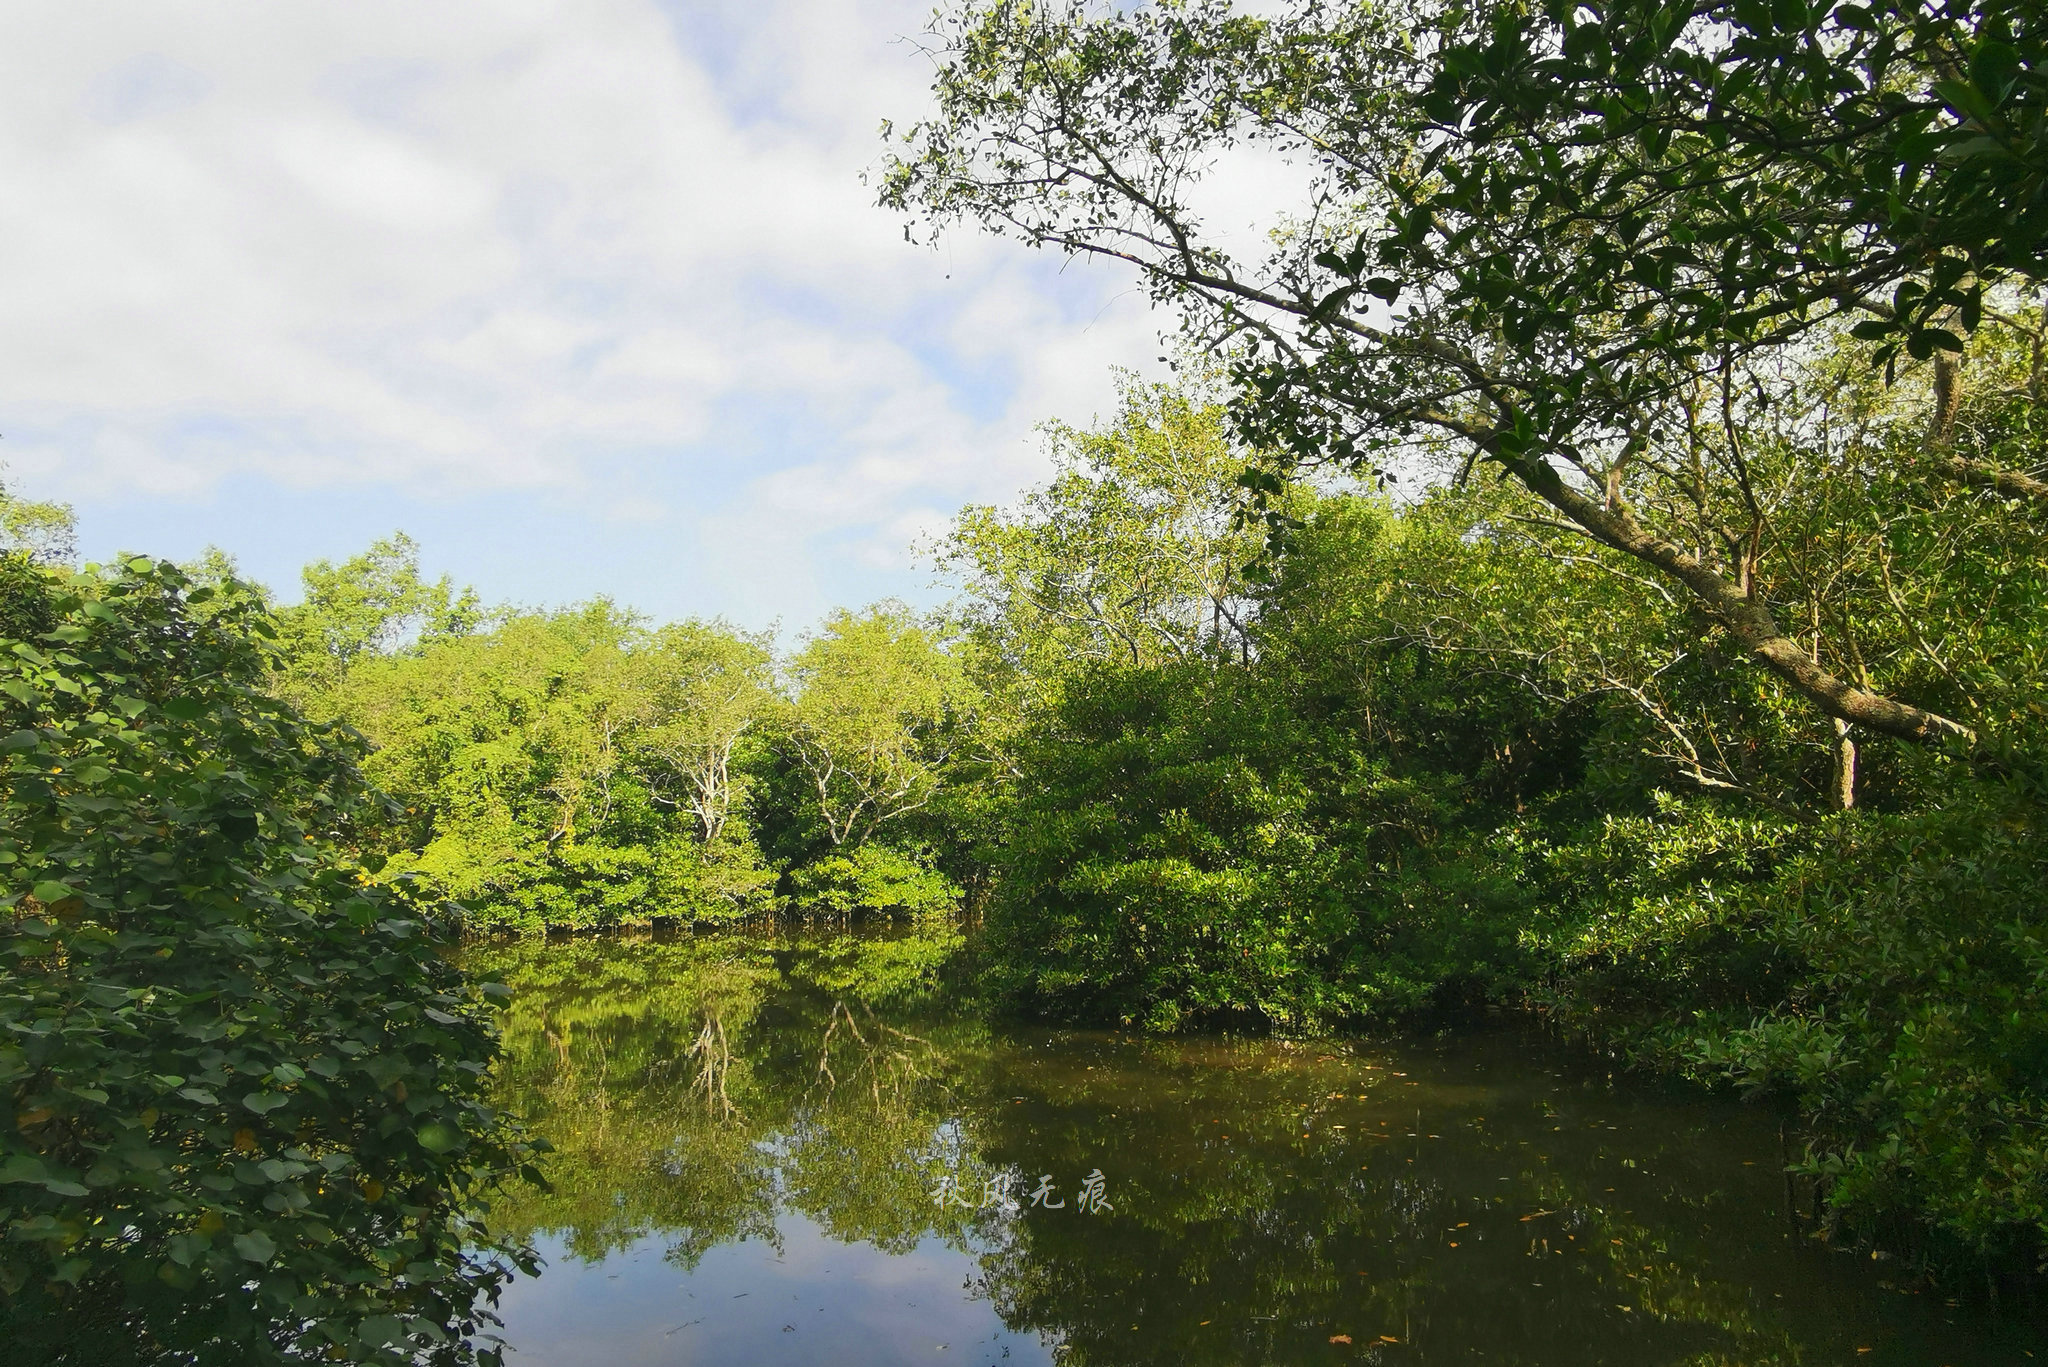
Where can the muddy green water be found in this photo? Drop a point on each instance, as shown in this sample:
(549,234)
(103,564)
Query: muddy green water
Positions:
(800,1152)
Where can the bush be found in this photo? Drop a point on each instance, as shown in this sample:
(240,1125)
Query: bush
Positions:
(872,878)
(596,885)
(1654,918)
(1161,864)
(248,1091)
(1915,1038)
(1886,976)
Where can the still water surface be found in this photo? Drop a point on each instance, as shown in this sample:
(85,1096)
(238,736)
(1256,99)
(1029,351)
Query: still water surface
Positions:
(799,1151)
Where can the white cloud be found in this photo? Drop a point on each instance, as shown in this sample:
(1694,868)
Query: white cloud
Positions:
(467,248)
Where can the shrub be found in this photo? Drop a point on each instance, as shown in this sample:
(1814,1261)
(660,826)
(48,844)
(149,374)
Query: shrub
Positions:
(1161,864)
(1883,976)
(872,878)
(597,885)
(248,1091)
(1915,1037)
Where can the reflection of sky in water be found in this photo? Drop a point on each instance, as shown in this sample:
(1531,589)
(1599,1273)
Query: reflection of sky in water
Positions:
(1482,1197)
(843,1304)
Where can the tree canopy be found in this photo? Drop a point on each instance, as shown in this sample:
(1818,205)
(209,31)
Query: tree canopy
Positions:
(249,1119)
(1550,243)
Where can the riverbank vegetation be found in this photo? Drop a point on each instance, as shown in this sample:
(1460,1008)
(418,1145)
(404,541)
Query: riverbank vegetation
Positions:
(1595,565)
(581,768)
(248,1111)
(1698,694)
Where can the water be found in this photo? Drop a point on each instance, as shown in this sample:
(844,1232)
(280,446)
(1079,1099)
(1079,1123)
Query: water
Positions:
(800,1152)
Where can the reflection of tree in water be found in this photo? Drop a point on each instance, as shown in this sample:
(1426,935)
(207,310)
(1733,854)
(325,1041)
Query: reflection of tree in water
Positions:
(692,1088)
(1283,1193)
(713,1051)
(874,1124)
(894,1056)
(601,1053)
(1291,1244)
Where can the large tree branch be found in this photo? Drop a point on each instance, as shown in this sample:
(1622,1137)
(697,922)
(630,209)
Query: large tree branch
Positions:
(1747,619)
(1984,475)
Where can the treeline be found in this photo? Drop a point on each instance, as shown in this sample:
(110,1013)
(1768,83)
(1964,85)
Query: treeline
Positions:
(581,768)
(1408,755)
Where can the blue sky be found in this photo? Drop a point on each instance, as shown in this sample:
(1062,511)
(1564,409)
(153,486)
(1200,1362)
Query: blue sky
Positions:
(587,297)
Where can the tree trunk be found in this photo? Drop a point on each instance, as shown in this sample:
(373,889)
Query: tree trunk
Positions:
(2011,483)
(1948,399)
(1941,440)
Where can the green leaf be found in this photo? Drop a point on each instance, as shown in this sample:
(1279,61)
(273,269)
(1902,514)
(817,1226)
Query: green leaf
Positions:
(50,892)
(256,1246)
(378,1331)
(1966,99)
(1995,69)
(264,1102)
(28,1169)
(438,1136)
(23,1167)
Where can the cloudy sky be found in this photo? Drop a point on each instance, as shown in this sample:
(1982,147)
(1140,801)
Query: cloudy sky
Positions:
(588,297)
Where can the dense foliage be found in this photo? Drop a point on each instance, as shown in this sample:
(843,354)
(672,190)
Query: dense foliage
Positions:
(1711,724)
(247,1093)
(1691,693)
(581,769)
(1458,755)
(1556,291)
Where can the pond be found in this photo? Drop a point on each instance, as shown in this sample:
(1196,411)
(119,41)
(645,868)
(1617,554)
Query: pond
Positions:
(799,1149)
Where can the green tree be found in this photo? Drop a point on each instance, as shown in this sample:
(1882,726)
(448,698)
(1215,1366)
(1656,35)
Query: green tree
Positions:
(878,709)
(559,767)
(1736,172)
(708,686)
(248,1091)
(1133,553)
(370,604)
(1404,300)
(46,532)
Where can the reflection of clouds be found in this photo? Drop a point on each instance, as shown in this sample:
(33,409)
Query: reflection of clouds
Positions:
(844,1303)
(1258,1249)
